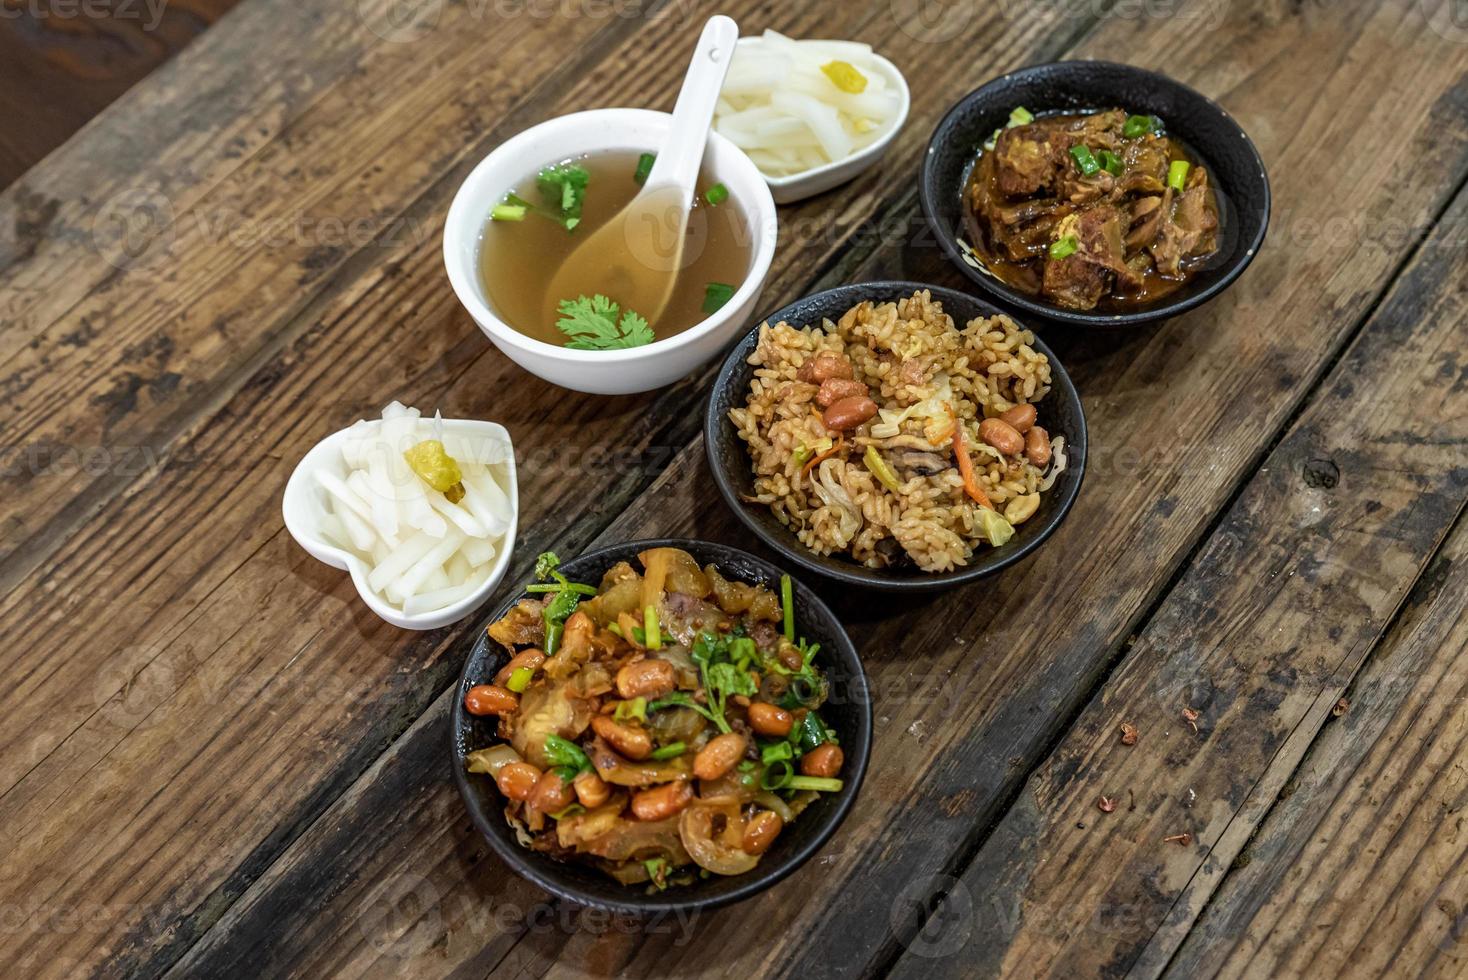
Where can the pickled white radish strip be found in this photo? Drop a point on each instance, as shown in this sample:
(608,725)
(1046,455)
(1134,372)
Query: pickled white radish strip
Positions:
(460,517)
(399,560)
(411,581)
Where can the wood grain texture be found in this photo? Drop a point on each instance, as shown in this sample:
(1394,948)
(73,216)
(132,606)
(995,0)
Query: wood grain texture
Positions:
(972,687)
(1260,638)
(225,790)
(61,63)
(1361,867)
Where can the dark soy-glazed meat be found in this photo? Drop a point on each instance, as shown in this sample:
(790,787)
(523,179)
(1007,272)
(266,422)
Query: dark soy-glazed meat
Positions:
(1091,211)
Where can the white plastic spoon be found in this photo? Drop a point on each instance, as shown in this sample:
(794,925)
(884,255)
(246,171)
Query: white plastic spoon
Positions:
(635,257)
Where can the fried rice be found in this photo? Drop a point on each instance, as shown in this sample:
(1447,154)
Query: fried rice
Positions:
(890,491)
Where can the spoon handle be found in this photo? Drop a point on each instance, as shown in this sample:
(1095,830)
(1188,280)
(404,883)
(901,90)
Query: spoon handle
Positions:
(678,161)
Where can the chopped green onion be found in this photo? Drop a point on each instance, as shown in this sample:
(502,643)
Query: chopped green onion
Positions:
(566,758)
(652,636)
(810,731)
(614,628)
(787,603)
(635,708)
(520,679)
(1140,126)
(657,872)
(1020,116)
(1062,247)
(716,194)
(1110,162)
(880,469)
(746,765)
(507,212)
(558,587)
(670,751)
(776,752)
(1084,159)
(569,811)
(820,784)
(1177,174)
(644,167)
(777,776)
(715,295)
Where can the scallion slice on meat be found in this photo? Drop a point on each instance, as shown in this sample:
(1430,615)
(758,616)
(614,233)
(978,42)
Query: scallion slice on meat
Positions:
(1136,126)
(1020,116)
(1110,162)
(1085,159)
(1062,247)
(520,679)
(1177,174)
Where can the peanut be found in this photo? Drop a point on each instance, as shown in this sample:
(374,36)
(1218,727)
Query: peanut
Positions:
(552,794)
(591,790)
(1002,436)
(719,756)
(1021,417)
(487,699)
(848,413)
(646,679)
(761,832)
(661,802)
(526,658)
(766,719)
(517,780)
(1021,509)
(823,760)
(1037,447)
(634,743)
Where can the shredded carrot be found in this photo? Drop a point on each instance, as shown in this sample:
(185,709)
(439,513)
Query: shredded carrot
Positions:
(966,469)
(815,461)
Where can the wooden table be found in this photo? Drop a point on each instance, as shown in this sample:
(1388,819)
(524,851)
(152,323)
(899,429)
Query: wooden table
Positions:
(216,761)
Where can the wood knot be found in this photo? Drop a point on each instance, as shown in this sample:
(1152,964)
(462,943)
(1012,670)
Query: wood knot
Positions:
(1321,474)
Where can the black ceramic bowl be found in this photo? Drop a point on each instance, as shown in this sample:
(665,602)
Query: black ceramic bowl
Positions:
(1239,179)
(848,711)
(1060,414)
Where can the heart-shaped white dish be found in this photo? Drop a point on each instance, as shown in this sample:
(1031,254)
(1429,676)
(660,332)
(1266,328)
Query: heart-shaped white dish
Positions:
(304,509)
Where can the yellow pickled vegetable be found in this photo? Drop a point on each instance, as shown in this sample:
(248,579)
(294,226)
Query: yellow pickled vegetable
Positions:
(437,468)
(845,76)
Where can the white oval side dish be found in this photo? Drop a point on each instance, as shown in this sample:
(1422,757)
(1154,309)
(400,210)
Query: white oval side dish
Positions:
(341,507)
(777,103)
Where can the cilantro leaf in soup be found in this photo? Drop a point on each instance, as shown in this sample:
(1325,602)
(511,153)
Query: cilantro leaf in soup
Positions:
(598,323)
(563,189)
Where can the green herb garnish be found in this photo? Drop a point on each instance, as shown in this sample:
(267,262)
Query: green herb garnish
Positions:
(1084,159)
(715,295)
(722,676)
(520,679)
(627,710)
(597,323)
(563,189)
(777,752)
(670,751)
(1110,162)
(561,605)
(820,784)
(508,212)
(1177,174)
(716,194)
(787,605)
(1020,116)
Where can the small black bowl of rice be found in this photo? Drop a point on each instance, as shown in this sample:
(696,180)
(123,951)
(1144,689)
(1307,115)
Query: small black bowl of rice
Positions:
(896,436)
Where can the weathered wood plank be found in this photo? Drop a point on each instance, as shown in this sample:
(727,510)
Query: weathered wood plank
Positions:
(962,717)
(61,64)
(1260,638)
(222,791)
(1359,869)
(123,337)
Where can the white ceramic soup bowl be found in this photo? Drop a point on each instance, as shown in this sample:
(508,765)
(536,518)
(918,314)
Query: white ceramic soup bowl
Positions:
(614,372)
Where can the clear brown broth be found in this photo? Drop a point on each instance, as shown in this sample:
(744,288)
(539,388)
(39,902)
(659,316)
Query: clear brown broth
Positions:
(518,259)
